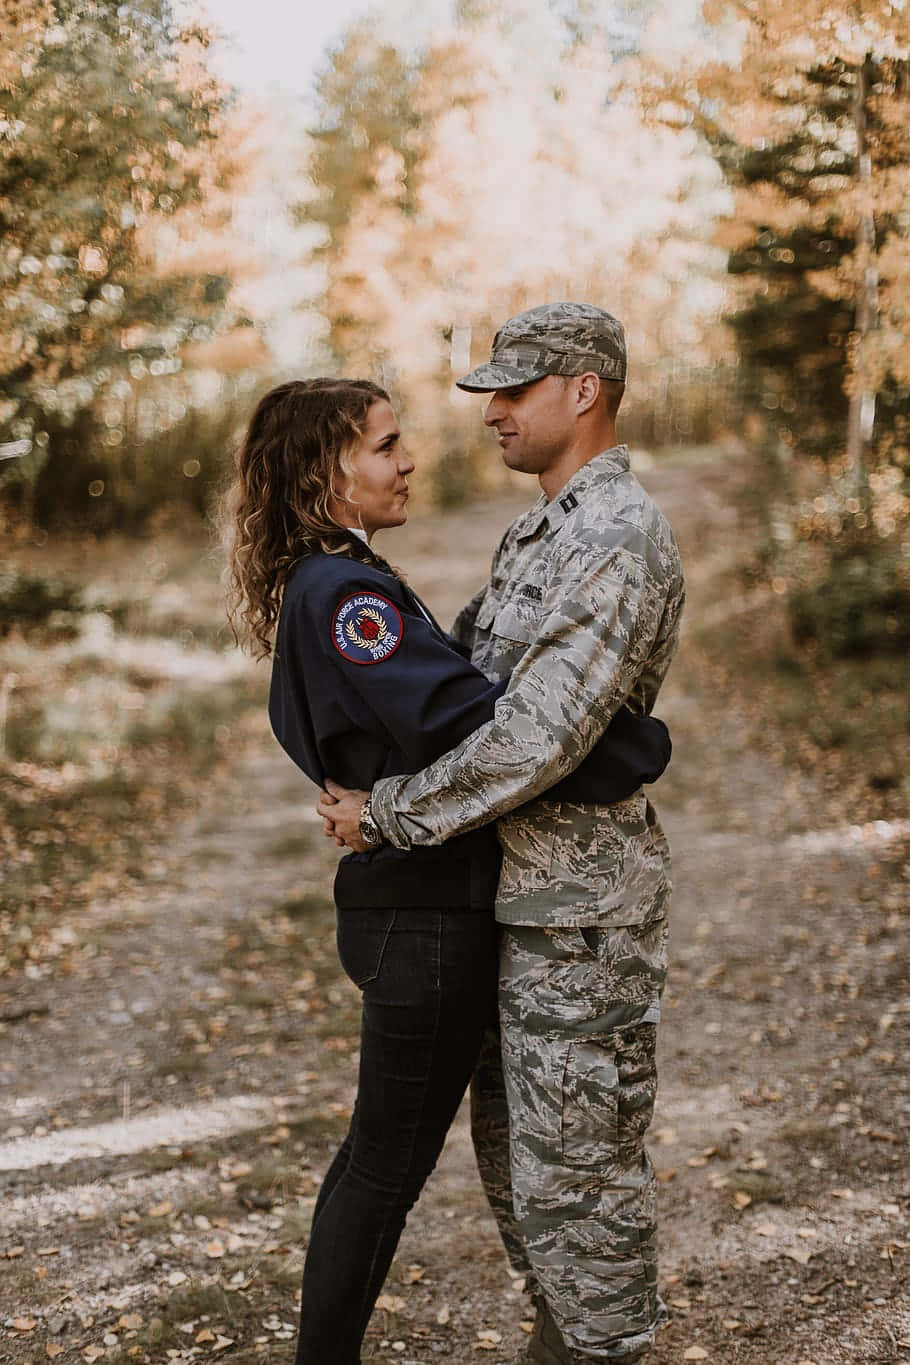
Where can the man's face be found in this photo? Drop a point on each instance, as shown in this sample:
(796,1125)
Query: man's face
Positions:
(534,422)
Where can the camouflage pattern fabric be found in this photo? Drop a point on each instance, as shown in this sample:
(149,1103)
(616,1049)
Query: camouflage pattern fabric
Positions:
(490,1135)
(583,609)
(578,1044)
(556,338)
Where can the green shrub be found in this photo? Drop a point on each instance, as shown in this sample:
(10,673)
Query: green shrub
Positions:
(860,608)
(28,600)
(86,485)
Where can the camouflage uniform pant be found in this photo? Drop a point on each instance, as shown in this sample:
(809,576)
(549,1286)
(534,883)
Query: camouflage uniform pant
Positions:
(578,1016)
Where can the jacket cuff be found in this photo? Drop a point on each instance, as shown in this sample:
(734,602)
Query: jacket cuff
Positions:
(382,802)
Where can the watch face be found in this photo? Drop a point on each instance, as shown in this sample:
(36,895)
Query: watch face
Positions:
(370,831)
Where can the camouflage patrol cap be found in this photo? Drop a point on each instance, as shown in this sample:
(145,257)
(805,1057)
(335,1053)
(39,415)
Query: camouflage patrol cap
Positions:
(556,338)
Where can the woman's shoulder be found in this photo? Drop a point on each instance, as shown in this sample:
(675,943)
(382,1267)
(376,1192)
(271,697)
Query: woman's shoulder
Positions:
(321,578)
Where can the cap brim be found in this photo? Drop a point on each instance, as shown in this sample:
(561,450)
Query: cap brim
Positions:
(488,377)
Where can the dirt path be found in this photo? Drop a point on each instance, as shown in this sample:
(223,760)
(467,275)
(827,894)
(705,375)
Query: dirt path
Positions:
(189,1061)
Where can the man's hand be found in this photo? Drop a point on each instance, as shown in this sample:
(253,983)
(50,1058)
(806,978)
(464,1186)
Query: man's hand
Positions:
(340,810)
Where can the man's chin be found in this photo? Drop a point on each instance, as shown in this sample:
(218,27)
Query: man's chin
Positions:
(513,459)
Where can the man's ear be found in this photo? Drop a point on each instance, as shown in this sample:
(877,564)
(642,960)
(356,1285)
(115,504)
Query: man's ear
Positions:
(587,393)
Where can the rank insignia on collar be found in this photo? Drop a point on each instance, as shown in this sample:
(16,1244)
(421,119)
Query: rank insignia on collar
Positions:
(366,628)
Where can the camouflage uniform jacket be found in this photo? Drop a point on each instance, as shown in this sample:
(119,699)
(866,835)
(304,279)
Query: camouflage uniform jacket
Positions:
(583,609)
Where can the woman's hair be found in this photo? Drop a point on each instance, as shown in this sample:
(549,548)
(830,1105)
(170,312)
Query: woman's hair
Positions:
(277,509)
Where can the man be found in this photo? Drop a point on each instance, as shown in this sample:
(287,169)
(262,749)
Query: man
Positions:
(582,609)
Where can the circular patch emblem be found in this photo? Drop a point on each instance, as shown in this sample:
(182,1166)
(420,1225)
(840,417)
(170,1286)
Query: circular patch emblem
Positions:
(366,628)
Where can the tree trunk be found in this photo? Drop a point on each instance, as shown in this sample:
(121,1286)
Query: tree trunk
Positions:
(861,415)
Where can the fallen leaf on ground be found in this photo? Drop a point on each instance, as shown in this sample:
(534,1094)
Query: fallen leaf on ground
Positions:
(205,1335)
(222,1343)
(444,1316)
(413,1274)
(25,1324)
(214,1250)
(177,1277)
(12,1252)
(131,1321)
(489,1337)
(766,1229)
(53,1349)
(742,1200)
(802,1255)
(390,1302)
(92,1353)
(731,1324)
(526,1325)
(695,1353)
(161,1210)
(666,1176)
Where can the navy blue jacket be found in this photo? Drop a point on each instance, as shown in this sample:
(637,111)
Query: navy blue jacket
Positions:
(366,684)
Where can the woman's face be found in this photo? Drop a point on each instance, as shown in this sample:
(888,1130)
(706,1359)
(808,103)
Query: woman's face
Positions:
(375,494)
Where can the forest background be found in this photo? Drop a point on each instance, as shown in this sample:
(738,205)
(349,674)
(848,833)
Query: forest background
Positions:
(730,178)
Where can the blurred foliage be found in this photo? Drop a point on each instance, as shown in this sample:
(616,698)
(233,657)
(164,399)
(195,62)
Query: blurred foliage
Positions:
(101,489)
(435,170)
(860,607)
(794,328)
(28,600)
(109,130)
(806,111)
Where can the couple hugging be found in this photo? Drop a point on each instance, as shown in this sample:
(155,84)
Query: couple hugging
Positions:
(503,908)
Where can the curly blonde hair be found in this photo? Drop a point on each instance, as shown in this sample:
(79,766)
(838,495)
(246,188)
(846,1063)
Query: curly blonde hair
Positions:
(277,509)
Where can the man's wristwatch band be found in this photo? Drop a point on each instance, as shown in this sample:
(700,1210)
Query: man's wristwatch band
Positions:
(370,832)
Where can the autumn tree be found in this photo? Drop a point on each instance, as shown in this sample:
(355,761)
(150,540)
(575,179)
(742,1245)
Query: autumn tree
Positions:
(500,182)
(806,110)
(807,113)
(108,125)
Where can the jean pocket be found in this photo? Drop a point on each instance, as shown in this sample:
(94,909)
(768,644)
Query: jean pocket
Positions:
(362,937)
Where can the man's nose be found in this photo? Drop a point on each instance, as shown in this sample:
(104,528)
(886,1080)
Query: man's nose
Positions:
(405,463)
(493,412)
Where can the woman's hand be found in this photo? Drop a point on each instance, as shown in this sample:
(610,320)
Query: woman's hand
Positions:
(328,825)
(340,810)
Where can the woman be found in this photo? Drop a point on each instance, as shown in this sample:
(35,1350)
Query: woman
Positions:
(366,684)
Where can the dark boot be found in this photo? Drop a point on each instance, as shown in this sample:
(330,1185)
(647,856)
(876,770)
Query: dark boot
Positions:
(546,1346)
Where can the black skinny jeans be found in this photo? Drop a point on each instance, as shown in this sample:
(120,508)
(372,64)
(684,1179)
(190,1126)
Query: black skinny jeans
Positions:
(428,979)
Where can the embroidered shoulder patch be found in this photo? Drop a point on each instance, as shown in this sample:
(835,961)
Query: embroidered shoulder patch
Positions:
(366,628)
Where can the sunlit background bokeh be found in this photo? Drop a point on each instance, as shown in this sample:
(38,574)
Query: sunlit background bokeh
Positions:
(198,201)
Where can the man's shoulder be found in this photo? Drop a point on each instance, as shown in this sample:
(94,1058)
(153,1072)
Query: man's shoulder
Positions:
(621,513)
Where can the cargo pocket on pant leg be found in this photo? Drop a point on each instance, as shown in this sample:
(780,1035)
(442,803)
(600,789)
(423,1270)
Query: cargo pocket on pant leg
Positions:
(604,1285)
(590,1104)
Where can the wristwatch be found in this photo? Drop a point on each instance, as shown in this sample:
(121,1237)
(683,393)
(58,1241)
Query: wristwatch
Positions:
(370,832)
